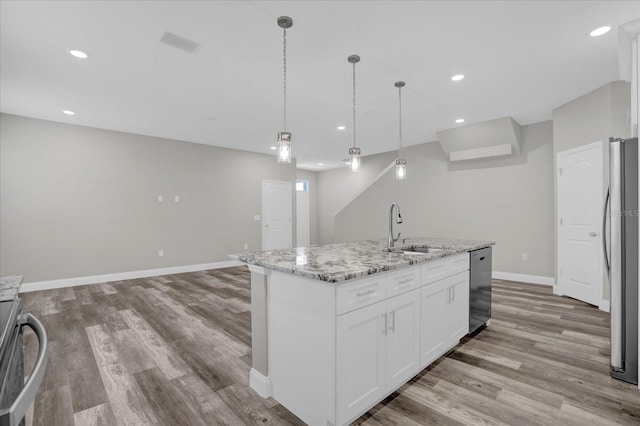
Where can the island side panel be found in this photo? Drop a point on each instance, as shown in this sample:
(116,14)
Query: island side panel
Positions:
(259,376)
(302,346)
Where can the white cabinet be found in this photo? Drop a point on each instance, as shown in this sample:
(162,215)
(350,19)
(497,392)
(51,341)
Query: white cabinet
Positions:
(360,367)
(458,307)
(433,334)
(346,346)
(444,316)
(403,338)
(377,351)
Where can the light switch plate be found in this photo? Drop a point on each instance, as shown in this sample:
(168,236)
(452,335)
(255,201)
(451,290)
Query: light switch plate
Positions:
(256,217)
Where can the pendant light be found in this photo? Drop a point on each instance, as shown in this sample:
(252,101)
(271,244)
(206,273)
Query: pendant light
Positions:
(401,163)
(284,137)
(354,152)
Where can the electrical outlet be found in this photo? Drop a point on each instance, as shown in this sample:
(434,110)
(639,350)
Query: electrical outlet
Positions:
(256,217)
(524,256)
(160,252)
(160,198)
(176,198)
(246,246)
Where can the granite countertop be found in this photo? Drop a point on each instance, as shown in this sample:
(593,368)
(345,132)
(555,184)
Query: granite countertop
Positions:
(9,286)
(345,261)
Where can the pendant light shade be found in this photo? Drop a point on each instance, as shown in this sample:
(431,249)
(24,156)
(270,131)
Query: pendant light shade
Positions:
(401,163)
(401,169)
(284,147)
(354,159)
(354,152)
(284,137)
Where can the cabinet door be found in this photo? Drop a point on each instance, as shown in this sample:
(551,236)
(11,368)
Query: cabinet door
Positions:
(433,322)
(403,338)
(458,308)
(360,363)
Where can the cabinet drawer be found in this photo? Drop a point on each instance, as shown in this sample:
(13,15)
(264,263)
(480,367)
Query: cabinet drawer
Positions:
(445,267)
(434,271)
(458,263)
(364,292)
(402,281)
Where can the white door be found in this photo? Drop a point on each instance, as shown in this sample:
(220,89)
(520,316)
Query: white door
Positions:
(403,338)
(276,215)
(302,214)
(360,375)
(432,330)
(580,213)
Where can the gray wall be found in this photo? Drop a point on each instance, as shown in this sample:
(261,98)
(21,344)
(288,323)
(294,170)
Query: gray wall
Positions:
(312,178)
(78,201)
(592,117)
(509,201)
(595,116)
(338,187)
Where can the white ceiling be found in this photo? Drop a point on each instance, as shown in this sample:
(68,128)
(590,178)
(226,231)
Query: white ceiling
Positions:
(520,59)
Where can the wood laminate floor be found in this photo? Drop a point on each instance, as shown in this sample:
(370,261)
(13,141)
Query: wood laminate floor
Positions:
(175,350)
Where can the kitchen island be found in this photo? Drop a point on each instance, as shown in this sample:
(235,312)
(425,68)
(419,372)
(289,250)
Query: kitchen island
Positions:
(336,328)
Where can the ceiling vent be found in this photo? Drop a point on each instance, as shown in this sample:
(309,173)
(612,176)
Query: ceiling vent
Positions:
(178,42)
(493,138)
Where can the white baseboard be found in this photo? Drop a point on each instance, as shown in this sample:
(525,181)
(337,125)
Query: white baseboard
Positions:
(260,383)
(523,278)
(119,276)
(605,305)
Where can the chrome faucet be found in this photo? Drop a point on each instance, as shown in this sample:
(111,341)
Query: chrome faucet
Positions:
(392,240)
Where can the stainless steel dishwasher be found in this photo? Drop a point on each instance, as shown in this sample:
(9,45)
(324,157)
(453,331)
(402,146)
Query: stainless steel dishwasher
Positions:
(480,289)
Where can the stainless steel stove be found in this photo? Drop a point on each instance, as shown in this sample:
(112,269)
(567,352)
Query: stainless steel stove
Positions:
(15,395)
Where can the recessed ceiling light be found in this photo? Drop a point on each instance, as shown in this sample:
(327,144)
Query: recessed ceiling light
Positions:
(599,31)
(457,77)
(273,147)
(66,111)
(320,164)
(79,54)
(460,120)
(341,127)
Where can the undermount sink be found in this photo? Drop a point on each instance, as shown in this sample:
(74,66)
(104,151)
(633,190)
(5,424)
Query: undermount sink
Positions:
(421,250)
(416,250)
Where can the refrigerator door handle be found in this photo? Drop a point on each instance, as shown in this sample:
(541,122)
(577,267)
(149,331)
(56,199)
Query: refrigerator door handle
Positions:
(604,234)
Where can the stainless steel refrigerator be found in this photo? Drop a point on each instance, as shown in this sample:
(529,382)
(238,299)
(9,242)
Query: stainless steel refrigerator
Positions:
(622,257)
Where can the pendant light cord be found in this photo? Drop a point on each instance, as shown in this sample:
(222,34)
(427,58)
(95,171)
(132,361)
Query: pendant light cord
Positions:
(354,104)
(284,55)
(400,119)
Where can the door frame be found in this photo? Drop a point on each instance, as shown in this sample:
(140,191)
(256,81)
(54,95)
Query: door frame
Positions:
(557,289)
(262,223)
(306,217)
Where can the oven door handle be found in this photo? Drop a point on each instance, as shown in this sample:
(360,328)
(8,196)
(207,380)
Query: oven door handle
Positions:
(18,409)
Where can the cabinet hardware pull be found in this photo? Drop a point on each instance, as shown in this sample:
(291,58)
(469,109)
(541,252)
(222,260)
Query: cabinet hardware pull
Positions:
(453,294)
(448,295)
(364,293)
(405,281)
(384,330)
(393,324)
